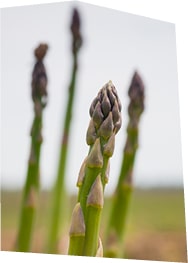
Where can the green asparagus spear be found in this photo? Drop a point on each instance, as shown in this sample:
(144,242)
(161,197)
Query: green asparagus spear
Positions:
(121,197)
(59,191)
(105,112)
(31,189)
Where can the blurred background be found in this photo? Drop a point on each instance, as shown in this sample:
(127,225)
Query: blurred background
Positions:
(115,44)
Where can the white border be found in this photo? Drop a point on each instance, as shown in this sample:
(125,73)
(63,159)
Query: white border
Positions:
(171,11)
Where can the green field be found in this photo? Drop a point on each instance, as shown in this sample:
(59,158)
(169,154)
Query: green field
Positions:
(155,225)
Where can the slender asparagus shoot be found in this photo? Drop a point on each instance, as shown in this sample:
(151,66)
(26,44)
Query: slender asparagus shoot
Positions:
(122,194)
(31,189)
(105,112)
(59,191)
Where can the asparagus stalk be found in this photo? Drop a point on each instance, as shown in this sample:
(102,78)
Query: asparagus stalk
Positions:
(104,124)
(121,197)
(31,189)
(59,191)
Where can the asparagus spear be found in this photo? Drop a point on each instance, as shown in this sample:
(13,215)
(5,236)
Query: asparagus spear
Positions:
(121,197)
(104,124)
(59,192)
(31,189)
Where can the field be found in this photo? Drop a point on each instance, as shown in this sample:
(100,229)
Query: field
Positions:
(155,228)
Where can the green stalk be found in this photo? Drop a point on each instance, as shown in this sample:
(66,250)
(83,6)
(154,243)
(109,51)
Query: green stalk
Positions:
(32,184)
(104,124)
(94,207)
(59,191)
(122,195)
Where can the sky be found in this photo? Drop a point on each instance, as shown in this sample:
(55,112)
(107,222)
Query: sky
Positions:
(115,44)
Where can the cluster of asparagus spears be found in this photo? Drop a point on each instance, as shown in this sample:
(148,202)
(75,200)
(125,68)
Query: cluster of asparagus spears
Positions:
(105,122)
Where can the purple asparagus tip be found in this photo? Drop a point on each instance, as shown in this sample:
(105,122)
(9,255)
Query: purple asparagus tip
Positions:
(75,29)
(39,76)
(136,94)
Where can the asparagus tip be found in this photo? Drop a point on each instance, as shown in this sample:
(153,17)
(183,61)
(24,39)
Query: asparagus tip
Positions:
(40,51)
(105,111)
(91,133)
(95,197)
(75,29)
(109,146)
(81,174)
(77,225)
(136,89)
(39,79)
(95,158)
(136,94)
(75,20)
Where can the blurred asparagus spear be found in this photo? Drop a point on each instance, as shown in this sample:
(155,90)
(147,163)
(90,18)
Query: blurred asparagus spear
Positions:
(122,194)
(31,189)
(104,124)
(59,191)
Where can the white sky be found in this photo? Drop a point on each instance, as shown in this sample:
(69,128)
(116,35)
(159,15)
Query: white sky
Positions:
(115,44)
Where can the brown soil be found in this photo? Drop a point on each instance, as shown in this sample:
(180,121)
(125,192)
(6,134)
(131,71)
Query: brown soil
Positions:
(164,246)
